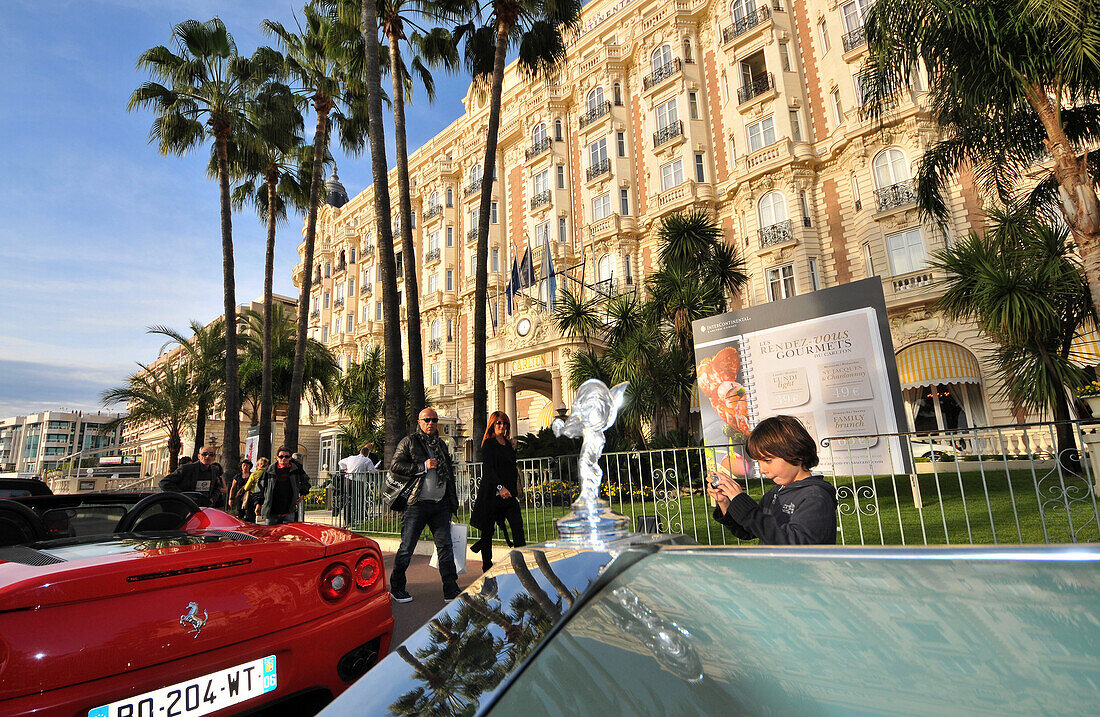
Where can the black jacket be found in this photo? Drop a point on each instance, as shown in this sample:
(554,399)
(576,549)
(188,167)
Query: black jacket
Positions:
(186,477)
(498,467)
(266,486)
(408,464)
(802,513)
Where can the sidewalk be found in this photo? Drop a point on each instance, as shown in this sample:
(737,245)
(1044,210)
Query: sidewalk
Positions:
(390,543)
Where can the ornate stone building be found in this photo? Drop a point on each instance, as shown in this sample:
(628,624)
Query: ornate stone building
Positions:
(750,110)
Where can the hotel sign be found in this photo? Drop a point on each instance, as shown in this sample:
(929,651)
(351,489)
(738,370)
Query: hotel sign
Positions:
(528,363)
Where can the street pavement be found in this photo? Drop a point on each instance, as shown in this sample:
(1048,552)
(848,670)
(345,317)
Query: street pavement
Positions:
(427,593)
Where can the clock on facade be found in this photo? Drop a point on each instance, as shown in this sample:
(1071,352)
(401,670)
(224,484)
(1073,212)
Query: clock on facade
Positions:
(523,327)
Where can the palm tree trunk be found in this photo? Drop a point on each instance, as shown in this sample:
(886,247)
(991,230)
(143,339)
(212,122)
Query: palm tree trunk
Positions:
(266,409)
(200,426)
(322,105)
(481,271)
(395,384)
(1063,429)
(1080,205)
(231,436)
(412,291)
(174,446)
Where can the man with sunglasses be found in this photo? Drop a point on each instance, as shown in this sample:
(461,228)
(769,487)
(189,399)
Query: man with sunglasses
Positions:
(282,487)
(423,457)
(196,477)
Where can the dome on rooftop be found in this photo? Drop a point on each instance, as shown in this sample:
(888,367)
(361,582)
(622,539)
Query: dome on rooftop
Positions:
(335,194)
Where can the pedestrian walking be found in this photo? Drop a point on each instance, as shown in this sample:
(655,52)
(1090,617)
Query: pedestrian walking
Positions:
(282,487)
(250,498)
(236,487)
(799,510)
(421,468)
(498,494)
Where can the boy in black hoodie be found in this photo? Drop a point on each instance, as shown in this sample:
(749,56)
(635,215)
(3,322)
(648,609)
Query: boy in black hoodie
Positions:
(799,510)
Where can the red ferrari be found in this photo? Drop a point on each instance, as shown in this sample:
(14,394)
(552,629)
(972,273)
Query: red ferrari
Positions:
(148,605)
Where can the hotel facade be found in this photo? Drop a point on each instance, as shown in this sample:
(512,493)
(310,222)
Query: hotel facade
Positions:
(749,110)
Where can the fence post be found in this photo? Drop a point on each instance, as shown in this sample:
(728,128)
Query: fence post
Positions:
(914,485)
(1092,447)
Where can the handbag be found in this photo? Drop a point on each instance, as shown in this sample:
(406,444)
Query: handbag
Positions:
(458,548)
(396,493)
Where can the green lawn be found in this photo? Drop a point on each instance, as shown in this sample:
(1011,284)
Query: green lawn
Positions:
(1002,507)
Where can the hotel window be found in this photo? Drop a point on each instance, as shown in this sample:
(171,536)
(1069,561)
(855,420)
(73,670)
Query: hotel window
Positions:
(687,51)
(340,292)
(350,322)
(493,217)
(784,57)
(838,108)
(629,270)
(854,14)
(563,230)
(772,209)
(862,81)
(450,280)
(542,234)
(617,94)
(557,130)
(672,174)
(378,273)
(412,219)
(620,142)
(855,192)
(869,265)
(624,202)
(450,236)
(538,134)
(666,114)
(561,176)
(815,282)
(601,207)
(540,183)
(351,255)
(597,152)
(699,176)
(475,173)
(761,134)
(804,205)
(781,282)
(693,105)
(328,270)
(823,32)
(351,288)
(433,282)
(906,251)
(796,127)
(324,334)
(433,200)
(603,268)
(327,299)
(472,217)
(495,255)
(661,56)
(890,167)
(450,371)
(595,98)
(435,374)
(450,330)
(433,241)
(399,264)
(450,197)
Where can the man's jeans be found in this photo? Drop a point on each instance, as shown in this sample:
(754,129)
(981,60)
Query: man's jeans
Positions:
(437,517)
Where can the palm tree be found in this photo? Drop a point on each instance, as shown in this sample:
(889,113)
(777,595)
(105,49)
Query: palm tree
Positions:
(359,397)
(160,395)
(539,29)
(1012,85)
(207,93)
(269,161)
(325,64)
(1022,285)
(205,350)
(320,368)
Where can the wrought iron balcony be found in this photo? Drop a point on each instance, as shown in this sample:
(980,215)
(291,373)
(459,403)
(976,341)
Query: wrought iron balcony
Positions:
(367,250)
(338,304)
(776,233)
(855,38)
(740,27)
(538,148)
(432,255)
(366,288)
(433,211)
(756,87)
(315,314)
(472,188)
(316,277)
(540,199)
(341,266)
(896,195)
(600,110)
(667,133)
(661,74)
(607,287)
(472,234)
(601,167)
(435,344)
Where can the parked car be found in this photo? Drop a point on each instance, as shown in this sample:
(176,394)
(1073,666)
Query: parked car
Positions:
(19,487)
(644,627)
(126,605)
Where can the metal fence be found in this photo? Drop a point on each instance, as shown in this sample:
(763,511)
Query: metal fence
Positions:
(999,484)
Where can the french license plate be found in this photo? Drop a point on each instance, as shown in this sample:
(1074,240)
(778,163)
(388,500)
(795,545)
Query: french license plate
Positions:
(199,696)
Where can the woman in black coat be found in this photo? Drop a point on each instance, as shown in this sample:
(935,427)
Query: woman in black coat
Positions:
(498,493)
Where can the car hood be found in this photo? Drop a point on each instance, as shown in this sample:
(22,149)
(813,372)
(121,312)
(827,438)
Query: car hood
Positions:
(97,607)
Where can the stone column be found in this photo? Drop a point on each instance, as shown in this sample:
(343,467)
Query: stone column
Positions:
(510,400)
(555,388)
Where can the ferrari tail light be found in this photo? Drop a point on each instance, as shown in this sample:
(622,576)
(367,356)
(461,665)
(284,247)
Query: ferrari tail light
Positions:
(335,582)
(368,571)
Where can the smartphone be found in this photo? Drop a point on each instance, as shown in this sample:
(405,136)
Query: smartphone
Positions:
(713,479)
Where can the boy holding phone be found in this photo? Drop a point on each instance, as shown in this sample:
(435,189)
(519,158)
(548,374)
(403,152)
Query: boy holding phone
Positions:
(799,510)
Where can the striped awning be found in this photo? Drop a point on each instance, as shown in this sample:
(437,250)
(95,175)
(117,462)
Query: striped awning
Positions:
(932,362)
(546,416)
(1085,349)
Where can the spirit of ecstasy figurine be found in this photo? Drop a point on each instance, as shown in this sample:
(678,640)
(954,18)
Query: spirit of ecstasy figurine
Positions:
(593,412)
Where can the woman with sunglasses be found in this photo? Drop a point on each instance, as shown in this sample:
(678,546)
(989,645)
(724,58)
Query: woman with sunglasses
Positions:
(498,493)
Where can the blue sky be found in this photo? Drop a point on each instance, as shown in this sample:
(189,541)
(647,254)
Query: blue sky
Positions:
(101,236)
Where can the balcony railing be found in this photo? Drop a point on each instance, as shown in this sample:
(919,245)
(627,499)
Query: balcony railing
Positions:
(896,195)
(601,167)
(367,250)
(607,287)
(315,314)
(472,188)
(433,211)
(472,234)
(910,282)
(852,40)
(756,87)
(366,289)
(740,27)
(540,199)
(338,304)
(538,148)
(435,344)
(661,74)
(432,255)
(667,133)
(341,266)
(316,277)
(595,113)
(776,233)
